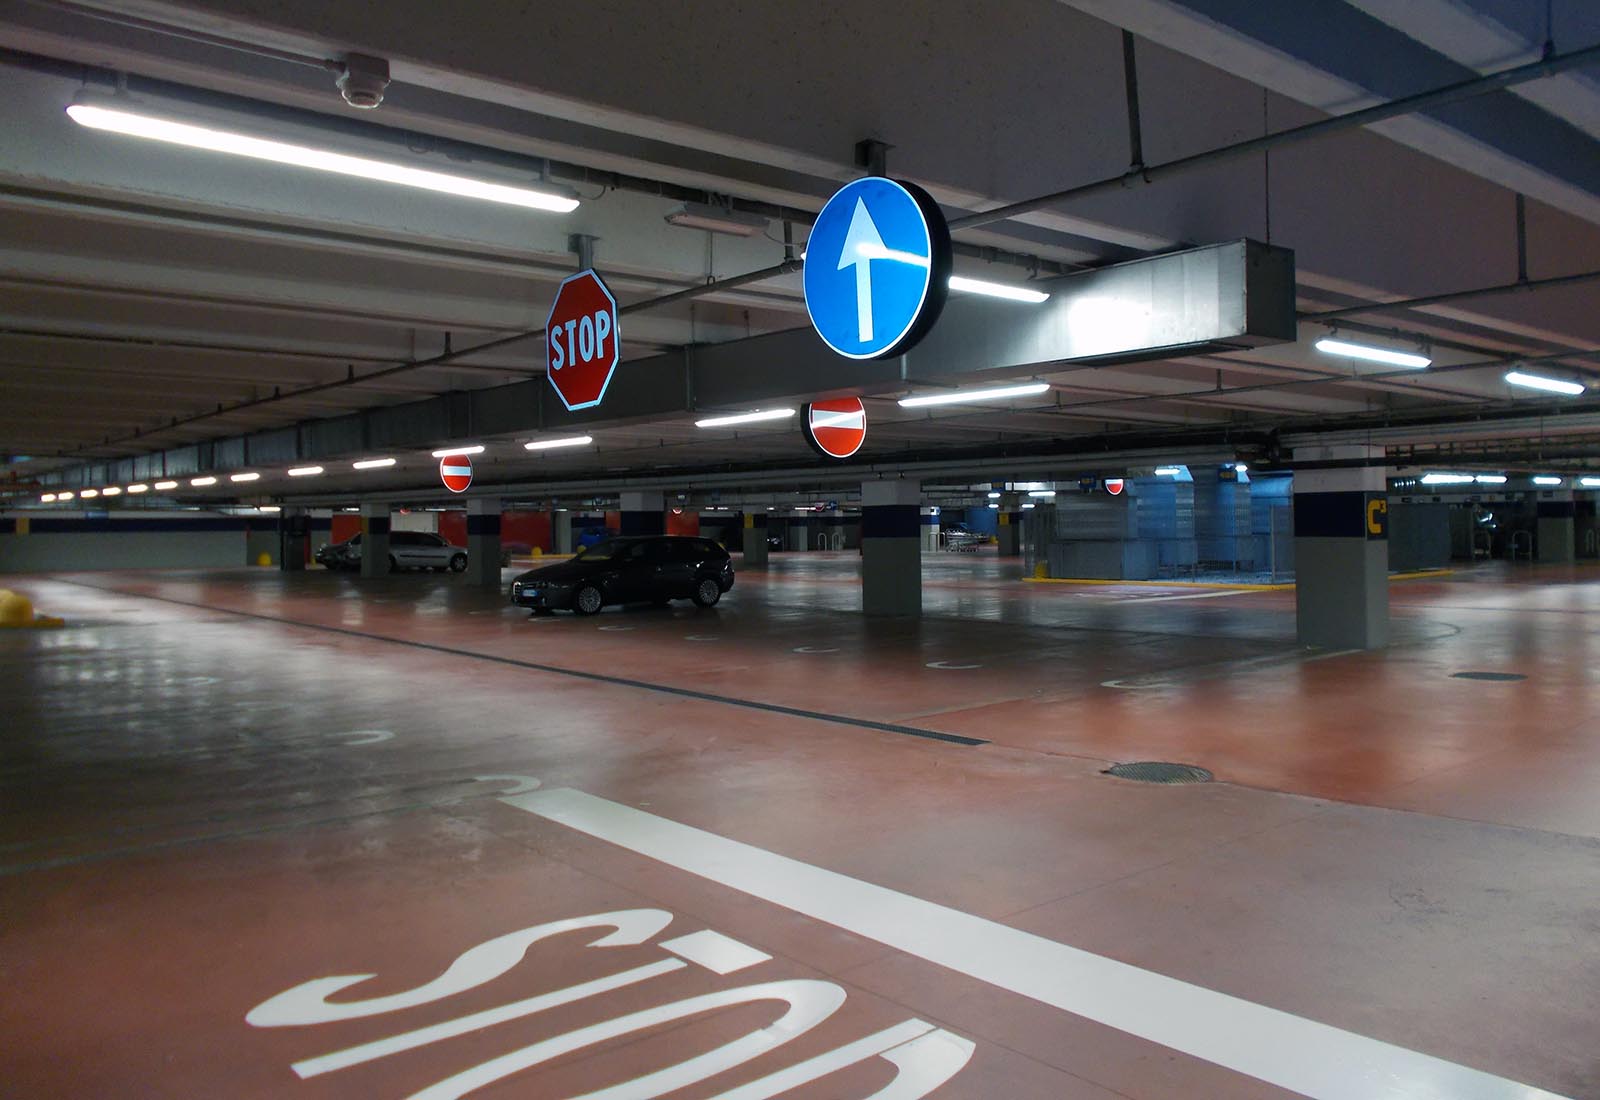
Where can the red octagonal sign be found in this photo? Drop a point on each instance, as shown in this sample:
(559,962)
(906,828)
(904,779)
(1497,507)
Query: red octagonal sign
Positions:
(581,340)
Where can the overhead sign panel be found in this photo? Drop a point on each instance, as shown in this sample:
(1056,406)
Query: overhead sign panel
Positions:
(877,268)
(835,429)
(582,340)
(456,472)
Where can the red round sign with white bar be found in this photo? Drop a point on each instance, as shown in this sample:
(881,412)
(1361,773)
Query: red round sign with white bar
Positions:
(582,342)
(456,472)
(837,428)
(1114,486)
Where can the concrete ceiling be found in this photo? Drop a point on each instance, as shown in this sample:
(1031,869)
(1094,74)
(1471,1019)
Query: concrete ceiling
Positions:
(153,298)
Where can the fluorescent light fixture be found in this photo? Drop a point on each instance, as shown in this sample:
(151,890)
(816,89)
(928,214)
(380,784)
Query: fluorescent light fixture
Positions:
(997,290)
(550,444)
(701,215)
(141,487)
(468,449)
(202,482)
(48,498)
(111,491)
(994,496)
(1027,504)
(961,397)
(268,508)
(994,505)
(163,486)
(252,476)
(89,494)
(372,464)
(1586,482)
(302,471)
(1241,467)
(1547,480)
(1446,479)
(1169,471)
(1549,385)
(63,496)
(135,120)
(1490,479)
(1330,346)
(1042,493)
(744,418)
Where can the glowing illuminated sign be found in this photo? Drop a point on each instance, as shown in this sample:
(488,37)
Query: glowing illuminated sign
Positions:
(835,429)
(456,472)
(1114,486)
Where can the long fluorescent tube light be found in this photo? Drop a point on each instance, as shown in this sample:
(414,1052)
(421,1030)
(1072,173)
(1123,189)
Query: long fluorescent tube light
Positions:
(1549,385)
(700,215)
(1490,479)
(268,508)
(961,397)
(89,494)
(63,496)
(1168,471)
(1547,480)
(139,488)
(163,486)
(372,464)
(744,418)
(994,496)
(305,471)
(1446,479)
(997,290)
(1042,493)
(111,491)
(48,498)
(202,482)
(1586,482)
(252,476)
(1329,346)
(131,120)
(550,444)
(469,449)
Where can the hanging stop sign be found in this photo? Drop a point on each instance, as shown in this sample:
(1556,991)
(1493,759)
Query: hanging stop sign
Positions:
(837,428)
(582,342)
(456,472)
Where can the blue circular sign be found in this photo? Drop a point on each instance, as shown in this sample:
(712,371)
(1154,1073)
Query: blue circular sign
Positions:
(877,268)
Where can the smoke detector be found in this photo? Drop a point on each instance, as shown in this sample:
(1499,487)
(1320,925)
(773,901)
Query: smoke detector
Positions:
(363,79)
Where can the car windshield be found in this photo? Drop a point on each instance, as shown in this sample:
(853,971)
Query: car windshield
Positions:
(600,551)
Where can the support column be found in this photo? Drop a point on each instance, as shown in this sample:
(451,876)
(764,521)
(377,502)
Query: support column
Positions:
(374,539)
(561,531)
(294,536)
(755,538)
(929,519)
(1341,552)
(1009,531)
(642,514)
(891,548)
(1557,526)
(483,541)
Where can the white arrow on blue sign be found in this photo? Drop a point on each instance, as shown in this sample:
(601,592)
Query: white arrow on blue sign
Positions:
(877,268)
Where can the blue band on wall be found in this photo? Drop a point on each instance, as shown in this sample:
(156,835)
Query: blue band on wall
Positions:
(642,523)
(1557,509)
(482,525)
(891,521)
(1341,515)
(375,525)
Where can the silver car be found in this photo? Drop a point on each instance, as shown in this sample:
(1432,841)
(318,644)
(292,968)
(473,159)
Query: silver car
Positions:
(407,550)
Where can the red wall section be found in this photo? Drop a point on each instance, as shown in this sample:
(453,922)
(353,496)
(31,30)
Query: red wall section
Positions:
(345,526)
(453,527)
(686,524)
(528,528)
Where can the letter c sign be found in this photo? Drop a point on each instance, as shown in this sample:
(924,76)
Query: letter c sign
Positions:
(1377,518)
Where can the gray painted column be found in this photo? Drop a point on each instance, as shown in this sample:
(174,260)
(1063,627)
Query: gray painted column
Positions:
(483,541)
(294,535)
(642,513)
(755,538)
(1341,552)
(929,518)
(374,539)
(1009,531)
(561,531)
(891,548)
(1557,526)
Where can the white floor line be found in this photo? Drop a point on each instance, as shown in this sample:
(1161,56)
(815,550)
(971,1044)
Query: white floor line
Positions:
(1301,1055)
(1185,596)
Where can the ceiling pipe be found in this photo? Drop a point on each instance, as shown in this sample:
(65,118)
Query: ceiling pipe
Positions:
(1453,296)
(1382,112)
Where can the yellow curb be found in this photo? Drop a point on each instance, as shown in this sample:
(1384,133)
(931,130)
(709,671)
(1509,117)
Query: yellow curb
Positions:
(1421,574)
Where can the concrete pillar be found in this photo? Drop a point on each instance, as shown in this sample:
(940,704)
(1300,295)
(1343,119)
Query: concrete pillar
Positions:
(642,513)
(755,538)
(561,531)
(929,519)
(294,536)
(374,539)
(891,548)
(1009,532)
(1341,552)
(483,541)
(1557,526)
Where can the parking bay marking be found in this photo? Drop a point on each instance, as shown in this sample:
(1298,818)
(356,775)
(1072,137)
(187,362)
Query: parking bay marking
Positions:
(1310,1058)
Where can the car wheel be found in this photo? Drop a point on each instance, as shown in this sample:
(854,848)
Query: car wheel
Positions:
(394,566)
(458,563)
(587,600)
(707,592)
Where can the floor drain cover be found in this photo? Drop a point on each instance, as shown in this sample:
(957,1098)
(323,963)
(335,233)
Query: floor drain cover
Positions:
(1501,677)
(1151,771)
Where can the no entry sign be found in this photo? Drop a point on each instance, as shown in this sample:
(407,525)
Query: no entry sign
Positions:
(456,472)
(836,429)
(581,340)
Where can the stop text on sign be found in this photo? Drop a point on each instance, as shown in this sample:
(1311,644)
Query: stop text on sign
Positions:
(582,340)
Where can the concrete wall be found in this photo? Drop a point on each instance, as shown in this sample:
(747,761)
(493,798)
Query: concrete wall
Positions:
(133,541)
(1419,536)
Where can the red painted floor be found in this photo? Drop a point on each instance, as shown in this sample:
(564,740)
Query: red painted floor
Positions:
(218,786)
